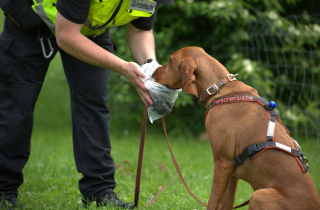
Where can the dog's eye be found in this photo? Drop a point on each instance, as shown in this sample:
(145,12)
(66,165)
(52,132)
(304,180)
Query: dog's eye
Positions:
(169,61)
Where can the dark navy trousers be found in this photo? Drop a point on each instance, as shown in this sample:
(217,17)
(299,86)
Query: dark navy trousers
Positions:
(22,72)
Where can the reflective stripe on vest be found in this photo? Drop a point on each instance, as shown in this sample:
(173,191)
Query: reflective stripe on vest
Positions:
(99,14)
(40,10)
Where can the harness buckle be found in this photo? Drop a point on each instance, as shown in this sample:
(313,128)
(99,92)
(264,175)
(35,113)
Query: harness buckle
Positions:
(213,91)
(252,149)
(232,77)
(301,156)
(305,160)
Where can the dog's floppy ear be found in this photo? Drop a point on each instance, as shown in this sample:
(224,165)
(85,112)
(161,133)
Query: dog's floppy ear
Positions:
(187,68)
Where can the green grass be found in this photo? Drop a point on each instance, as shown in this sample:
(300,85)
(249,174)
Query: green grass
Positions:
(51,179)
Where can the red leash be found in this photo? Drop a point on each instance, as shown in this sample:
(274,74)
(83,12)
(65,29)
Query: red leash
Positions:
(176,164)
(141,149)
(139,168)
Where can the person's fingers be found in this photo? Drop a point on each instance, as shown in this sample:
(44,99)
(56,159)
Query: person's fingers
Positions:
(133,78)
(140,84)
(148,99)
(134,73)
(138,71)
(145,97)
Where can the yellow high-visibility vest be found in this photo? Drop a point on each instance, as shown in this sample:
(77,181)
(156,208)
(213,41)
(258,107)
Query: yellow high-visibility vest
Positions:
(112,12)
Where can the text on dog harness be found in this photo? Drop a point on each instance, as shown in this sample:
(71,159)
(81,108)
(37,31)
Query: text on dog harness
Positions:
(253,151)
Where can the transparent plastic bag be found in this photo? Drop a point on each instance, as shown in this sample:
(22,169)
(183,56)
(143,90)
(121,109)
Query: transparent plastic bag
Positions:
(163,98)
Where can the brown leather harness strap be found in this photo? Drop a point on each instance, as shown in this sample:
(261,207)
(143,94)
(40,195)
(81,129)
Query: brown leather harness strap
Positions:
(139,168)
(214,89)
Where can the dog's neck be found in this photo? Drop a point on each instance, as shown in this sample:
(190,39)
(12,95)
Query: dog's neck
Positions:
(217,73)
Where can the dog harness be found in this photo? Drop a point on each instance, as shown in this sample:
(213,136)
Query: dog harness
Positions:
(255,150)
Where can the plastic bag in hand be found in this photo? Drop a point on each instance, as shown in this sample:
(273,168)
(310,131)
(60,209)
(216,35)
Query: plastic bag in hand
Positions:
(163,98)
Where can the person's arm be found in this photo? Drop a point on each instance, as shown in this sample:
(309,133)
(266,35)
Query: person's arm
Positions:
(74,43)
(141,43)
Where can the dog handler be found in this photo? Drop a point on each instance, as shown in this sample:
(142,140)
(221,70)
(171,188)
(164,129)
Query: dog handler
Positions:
(79,29)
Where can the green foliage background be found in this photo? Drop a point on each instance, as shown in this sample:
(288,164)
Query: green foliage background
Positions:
(219,27)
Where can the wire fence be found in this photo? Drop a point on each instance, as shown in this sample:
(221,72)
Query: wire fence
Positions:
(293,55)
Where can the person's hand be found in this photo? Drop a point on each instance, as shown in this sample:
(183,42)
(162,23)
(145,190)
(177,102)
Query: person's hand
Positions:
(132,75)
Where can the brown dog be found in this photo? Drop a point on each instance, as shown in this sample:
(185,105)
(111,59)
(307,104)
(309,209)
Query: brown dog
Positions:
(278,178)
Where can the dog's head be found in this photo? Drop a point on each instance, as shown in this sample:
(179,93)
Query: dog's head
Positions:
(179,72)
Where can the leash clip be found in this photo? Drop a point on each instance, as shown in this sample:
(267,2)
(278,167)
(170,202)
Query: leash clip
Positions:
(44,49)
(44,35)
(232,77)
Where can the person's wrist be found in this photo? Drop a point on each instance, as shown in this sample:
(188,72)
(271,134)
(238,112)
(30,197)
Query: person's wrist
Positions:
(122,67)
(150,60)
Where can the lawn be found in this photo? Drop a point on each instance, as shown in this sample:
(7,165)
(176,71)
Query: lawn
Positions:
(51,179)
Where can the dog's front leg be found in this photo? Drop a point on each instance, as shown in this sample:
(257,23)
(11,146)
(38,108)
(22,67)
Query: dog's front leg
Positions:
(222,173)
(230,194)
